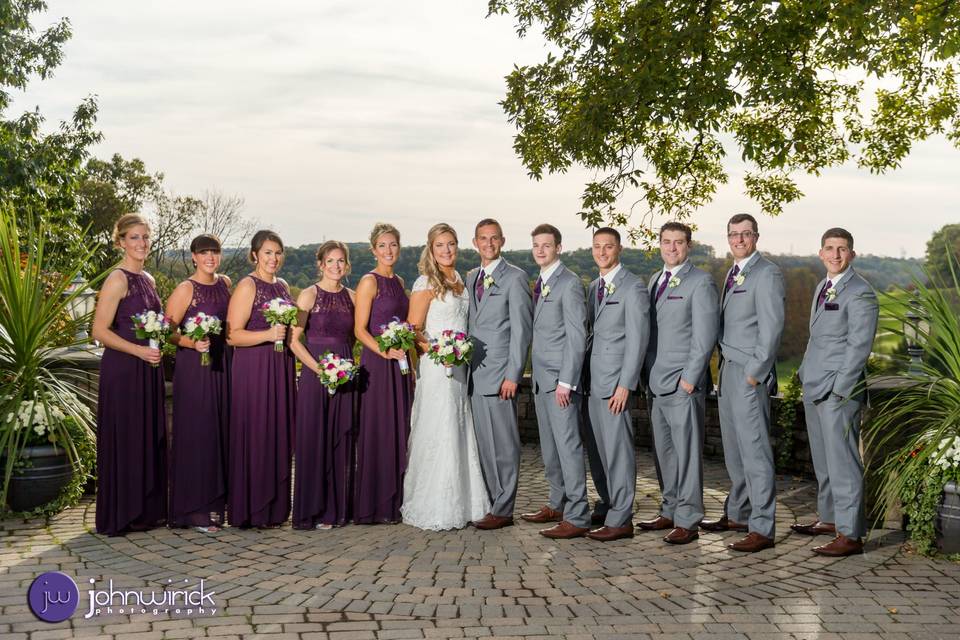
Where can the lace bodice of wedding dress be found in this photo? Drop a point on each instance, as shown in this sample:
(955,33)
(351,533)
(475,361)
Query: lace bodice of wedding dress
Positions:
(443,487)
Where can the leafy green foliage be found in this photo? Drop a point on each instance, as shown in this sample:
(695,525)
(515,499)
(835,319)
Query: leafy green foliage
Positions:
(33,325)
(39,173)
(943,248)
(922,410)
(648,93)
(787,421)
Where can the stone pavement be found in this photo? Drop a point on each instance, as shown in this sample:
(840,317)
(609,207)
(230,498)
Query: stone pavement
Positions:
(383,582)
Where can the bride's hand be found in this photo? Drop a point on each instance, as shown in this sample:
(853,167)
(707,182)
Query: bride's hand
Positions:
(423,347)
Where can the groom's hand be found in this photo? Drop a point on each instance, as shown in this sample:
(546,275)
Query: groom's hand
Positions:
(508,389)
(562,395)
(618,400)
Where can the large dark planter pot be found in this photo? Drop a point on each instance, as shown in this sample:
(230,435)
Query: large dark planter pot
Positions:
(947,525)
(48,472)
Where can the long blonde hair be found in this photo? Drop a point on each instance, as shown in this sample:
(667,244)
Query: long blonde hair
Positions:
(428,265)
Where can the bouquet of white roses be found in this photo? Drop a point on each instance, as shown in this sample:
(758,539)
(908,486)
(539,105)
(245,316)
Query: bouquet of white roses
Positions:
(200,327)
(397,335)
(279,311)
(335,371)
(451,349)
(152,326)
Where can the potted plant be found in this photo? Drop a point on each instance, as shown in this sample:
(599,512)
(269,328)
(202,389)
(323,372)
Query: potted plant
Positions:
(913,435)
(42,399)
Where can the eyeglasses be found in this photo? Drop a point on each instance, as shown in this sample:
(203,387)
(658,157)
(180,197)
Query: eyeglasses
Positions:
(746,235)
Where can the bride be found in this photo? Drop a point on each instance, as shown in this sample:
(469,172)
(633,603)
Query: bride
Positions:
(443,487)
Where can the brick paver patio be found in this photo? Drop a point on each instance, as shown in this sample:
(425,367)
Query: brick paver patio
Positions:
(383,582)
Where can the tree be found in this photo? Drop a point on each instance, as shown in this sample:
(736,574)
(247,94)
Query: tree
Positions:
(221,215)
(650,94)
(39,173)
(942,249)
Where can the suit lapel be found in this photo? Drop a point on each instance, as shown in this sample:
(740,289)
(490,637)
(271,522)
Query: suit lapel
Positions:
(814,309)
(727,292)
(617,281)
(497,273)
(838,288)
(551,282)
(679,275)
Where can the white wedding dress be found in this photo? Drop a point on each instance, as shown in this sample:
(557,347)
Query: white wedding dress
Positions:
(443,487)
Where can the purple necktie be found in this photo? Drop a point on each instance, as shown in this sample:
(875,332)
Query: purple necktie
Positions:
(600,290)
(537,289)
(479,286)
(823,294)
(663,285)
(733,274)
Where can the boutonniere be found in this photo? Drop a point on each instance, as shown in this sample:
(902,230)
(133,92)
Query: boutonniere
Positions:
(610,288)
(831,294)
(488,282)
(738,279)
(674,282)
(545,291)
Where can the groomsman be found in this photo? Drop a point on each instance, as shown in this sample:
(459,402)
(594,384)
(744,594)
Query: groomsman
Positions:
(683,332)
(619,314)
(559,344)
(843,321)
(751,322)
(500,320)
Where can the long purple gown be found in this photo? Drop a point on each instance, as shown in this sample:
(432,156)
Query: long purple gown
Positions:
(201,417)
(262,405)
(131,426)
(325,423)
(385,403)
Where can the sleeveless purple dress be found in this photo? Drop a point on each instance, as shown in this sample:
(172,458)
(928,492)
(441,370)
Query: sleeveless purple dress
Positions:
(325,423)
(131,426)
(384,425)
(201,417)
(262,405)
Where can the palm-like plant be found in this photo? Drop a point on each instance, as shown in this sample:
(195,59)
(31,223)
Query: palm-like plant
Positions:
(34,323)
(908,426)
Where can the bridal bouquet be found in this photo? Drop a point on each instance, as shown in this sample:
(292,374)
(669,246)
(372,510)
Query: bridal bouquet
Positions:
(202,326)
(397,335)
(279,311)
(152,326)
(451,349)
(335,371)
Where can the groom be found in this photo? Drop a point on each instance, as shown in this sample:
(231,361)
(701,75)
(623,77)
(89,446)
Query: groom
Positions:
(500,323)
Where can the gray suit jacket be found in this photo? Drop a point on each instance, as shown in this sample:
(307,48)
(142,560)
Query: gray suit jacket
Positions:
(751,320)
(500,326)
(841,336)
(684,333)
(559,332)
(619,332)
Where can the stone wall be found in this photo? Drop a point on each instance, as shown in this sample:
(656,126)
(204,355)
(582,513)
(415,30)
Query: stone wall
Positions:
(713,446)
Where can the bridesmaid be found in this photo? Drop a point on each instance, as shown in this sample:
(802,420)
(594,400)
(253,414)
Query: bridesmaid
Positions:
(325,423)
(201,396)
(261,395)
(386,395)
(131,418)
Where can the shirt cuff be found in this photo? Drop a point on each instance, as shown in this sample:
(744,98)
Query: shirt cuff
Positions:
(567,386)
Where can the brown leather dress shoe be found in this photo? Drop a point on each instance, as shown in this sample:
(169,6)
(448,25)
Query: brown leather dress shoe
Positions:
(840,546)
(491,521)
(564,531)
(609,534)
(681,536)
(723,524)
(752,543)
(815,528)
(657,524)
(545,514)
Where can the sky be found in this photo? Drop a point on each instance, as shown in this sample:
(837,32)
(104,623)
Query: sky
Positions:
(327,117)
